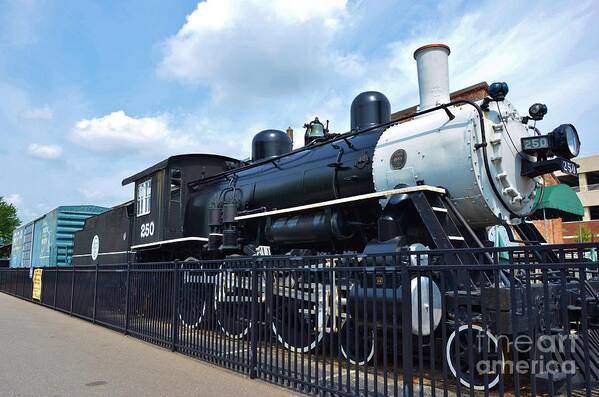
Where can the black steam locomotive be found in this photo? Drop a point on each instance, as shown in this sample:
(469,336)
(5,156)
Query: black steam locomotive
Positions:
(436,178)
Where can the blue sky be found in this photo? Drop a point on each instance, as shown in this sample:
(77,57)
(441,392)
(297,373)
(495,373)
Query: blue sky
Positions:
(92,92)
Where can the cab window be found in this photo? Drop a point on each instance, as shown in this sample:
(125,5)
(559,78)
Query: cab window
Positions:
(144,195)
(176,184)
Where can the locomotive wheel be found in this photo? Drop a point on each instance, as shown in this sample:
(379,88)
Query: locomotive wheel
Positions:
(232,303)
(192,306)
(459,352)
(299,310)
(193,298)
(357,343)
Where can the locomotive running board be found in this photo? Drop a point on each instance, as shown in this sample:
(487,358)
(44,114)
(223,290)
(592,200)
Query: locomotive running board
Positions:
(385,193)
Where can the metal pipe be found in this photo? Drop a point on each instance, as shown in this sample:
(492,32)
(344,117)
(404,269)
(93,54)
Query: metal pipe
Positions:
(433,75)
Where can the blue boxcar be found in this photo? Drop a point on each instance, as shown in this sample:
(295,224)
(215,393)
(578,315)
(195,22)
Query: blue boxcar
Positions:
(48,240)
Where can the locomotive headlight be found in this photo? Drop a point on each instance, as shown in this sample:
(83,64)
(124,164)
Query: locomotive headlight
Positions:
(566,142)
(561,145)
(537,111)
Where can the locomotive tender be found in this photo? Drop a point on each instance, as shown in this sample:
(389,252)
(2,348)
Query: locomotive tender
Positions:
(435,179)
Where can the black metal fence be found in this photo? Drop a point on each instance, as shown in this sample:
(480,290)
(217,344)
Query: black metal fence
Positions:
(517,321)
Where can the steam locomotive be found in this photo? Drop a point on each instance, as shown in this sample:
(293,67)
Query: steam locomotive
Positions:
(436,178)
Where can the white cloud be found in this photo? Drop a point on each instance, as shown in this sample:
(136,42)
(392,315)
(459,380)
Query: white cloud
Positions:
(258,49)
(42,114)
(105,190)
(15,199)
(46,152)
(550,60)
(520,52)
(118,132)
(281,63)
(24,213)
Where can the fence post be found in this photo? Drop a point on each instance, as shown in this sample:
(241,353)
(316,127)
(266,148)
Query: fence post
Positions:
(55,284)
(72,289)
(126,330)
(95,295)
(254,320)
(406,316)
(175,297)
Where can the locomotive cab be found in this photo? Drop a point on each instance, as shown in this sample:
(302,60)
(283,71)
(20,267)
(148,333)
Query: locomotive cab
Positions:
(160,193)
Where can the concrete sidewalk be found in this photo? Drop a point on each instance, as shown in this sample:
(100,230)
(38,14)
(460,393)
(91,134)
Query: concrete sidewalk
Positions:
(47,353)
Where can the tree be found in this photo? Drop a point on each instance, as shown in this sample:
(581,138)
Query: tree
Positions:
(584,235)
(8,221)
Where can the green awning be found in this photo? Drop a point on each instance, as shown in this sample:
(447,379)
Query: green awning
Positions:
(560,201)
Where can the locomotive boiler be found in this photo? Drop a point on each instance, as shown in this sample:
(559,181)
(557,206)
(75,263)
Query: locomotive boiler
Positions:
(435,178)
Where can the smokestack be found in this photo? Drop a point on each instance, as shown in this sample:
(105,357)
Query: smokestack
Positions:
(433,75)
(290,133)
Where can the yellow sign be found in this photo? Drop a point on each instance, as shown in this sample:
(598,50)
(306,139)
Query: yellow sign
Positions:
(37,285)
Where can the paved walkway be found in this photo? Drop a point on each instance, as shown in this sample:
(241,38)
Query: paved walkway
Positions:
(47,353)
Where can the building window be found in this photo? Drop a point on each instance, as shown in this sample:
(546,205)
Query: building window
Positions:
(144,194)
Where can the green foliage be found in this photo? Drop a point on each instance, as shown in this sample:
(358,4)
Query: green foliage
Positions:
(8,221)
(584,235)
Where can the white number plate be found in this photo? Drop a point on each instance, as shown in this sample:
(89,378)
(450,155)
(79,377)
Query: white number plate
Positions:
(147,230)
(569,168)
(535,143)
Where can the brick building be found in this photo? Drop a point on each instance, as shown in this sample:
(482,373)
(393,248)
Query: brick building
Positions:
(586,185)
